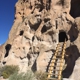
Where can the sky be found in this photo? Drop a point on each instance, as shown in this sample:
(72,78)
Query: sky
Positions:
(7,11)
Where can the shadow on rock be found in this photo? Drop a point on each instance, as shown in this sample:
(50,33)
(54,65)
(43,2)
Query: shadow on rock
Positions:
(73,55)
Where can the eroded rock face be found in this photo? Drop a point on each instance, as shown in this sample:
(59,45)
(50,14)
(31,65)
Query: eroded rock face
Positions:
(39,25)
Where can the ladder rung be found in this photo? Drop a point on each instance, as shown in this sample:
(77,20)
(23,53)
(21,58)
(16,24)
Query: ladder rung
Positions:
(59,51)
(54,79)
(59,66)
(59,55)
(58,58)
(55,66)
(56,62)
(53,74)
(54,70)
(60,48)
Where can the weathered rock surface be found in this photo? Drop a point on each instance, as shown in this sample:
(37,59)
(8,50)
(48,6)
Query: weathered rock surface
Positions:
(38,27)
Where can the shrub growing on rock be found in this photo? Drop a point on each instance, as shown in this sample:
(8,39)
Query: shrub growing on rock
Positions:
(22,76)
(41,76)
(8,70)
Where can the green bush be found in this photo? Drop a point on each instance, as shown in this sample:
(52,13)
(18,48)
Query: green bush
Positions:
(7,70)
(22,76)
(41,76)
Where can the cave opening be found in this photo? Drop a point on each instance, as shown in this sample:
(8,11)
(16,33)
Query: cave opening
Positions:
(62,36)
(7,47)
(75,6)
(44,29)
(21,32)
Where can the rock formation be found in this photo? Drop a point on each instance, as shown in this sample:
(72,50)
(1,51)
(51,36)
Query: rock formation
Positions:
(38,27)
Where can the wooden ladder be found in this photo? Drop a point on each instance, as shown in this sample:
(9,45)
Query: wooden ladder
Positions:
(57,63)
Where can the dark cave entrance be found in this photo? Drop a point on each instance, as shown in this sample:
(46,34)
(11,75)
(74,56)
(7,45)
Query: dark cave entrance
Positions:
(75,8)
(7,47)
(21,32)
(62,36)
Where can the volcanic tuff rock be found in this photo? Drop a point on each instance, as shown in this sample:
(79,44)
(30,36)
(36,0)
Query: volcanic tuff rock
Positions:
(38,27)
